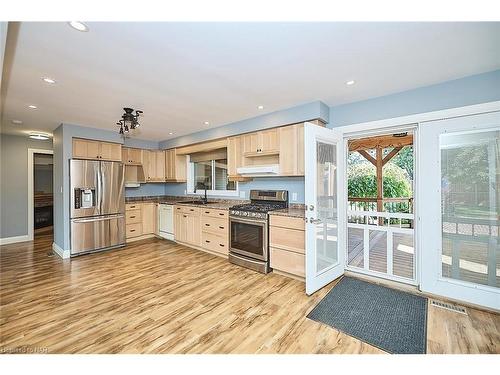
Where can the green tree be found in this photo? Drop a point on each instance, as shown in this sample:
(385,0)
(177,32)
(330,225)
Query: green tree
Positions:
(404,159)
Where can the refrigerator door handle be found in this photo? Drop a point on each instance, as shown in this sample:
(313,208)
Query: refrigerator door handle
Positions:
(100,218)
(99,187)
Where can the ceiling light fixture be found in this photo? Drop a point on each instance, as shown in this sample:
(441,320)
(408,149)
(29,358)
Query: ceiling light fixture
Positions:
(170,133)
(39,136)
(260,107)
(80,26)
(349,83)
(32,106)
(17,122)
(206,123)
(49,80)
(129,121)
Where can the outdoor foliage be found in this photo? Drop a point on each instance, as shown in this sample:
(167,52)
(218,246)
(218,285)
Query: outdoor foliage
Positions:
(362,181)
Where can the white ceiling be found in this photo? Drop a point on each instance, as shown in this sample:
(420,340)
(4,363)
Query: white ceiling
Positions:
(183,74)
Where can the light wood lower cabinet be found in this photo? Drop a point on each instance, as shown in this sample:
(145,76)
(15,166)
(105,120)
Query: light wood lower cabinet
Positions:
(215,230)
(187,225)
(287,245)
(140,219)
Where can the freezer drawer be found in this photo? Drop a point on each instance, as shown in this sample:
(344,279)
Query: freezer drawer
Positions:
(97,233)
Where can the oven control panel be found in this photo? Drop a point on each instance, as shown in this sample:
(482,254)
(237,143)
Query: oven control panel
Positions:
(256,215)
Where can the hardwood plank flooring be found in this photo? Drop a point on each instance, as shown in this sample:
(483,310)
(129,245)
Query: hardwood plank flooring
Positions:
(155,296)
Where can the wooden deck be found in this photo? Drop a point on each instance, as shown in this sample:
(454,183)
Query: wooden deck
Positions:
(403,252)
(155,296)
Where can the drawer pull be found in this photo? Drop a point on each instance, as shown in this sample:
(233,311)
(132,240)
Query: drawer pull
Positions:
(221,213)
(184,215)
(132,230)
(207,241)
(221,245)
(221,227)
(191,209)
(178,208)
(132,217)
(132,206)
(207,225)
(207,212)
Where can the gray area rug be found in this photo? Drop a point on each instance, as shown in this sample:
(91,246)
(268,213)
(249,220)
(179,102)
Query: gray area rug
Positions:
(389,319)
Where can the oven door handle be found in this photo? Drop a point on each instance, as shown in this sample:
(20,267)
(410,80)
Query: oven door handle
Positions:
(249,221)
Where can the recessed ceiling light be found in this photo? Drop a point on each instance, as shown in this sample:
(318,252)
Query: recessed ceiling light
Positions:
(17,122)
(39,136)
(32,106)
(80,26)
(206,123)
(349,83)
(170,133)
(260,107)
(49,80)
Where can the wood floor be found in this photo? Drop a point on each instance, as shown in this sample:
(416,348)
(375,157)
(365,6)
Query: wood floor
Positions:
(158,297)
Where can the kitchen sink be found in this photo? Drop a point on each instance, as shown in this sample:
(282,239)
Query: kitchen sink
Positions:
(194,202)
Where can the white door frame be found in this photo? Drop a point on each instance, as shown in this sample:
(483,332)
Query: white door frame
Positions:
(31,195)
(373,130)
(432,280)
(412,120)
(316,280)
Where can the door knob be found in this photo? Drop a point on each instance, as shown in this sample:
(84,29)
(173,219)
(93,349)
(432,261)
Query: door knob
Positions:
(311,207)
(314,221)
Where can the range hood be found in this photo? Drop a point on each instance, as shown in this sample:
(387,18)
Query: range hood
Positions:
(259,170)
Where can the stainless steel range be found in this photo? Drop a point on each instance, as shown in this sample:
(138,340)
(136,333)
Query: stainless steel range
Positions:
(249,229)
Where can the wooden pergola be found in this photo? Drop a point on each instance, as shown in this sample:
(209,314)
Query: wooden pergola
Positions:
(394,141)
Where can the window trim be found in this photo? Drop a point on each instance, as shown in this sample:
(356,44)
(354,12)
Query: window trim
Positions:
(190,184)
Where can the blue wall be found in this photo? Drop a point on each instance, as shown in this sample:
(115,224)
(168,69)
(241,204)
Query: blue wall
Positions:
(292,184)
(146,189)
(480,88)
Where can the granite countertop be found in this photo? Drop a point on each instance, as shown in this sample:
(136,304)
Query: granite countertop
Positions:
(218,204)
(295,210)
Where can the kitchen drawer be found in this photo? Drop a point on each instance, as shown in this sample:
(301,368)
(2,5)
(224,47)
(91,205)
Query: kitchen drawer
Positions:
(287,222)
(215,213)
(214,242)
(214,225)
(287,239)
(187,209)
(288,261)
(133,230)
(133,216)
(132,206)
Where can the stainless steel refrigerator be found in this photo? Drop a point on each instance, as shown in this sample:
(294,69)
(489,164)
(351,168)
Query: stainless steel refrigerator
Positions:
(97,205)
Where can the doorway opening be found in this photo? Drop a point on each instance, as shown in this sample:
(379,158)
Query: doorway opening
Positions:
(43,194)
(380,206)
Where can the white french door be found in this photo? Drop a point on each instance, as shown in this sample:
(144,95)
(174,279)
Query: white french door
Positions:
(324,160)
(460,208)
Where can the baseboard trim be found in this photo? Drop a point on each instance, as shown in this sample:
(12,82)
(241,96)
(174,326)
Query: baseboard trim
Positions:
(15,239)
(64,254)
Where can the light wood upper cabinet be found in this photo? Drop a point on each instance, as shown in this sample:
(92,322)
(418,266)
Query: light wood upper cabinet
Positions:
(264,142)
(235,158)
(132,156)
(154,165)
(175,166)
(90,149)
(291,154)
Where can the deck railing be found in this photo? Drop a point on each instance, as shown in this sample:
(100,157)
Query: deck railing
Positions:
(390,204)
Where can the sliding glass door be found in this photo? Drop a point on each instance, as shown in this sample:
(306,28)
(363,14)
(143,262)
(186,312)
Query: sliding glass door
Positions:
(460,206)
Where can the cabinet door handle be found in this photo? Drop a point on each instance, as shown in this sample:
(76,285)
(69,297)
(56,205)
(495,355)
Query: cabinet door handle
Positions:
(207,241)
(221,214)
(207,212)
(221,245)
(191,209)
(132,230)
(184,215)
(207,225)
(221,227)
(132,217)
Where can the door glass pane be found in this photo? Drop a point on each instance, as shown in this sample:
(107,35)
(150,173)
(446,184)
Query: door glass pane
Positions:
(470,204)
(203,174)
(327,227)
